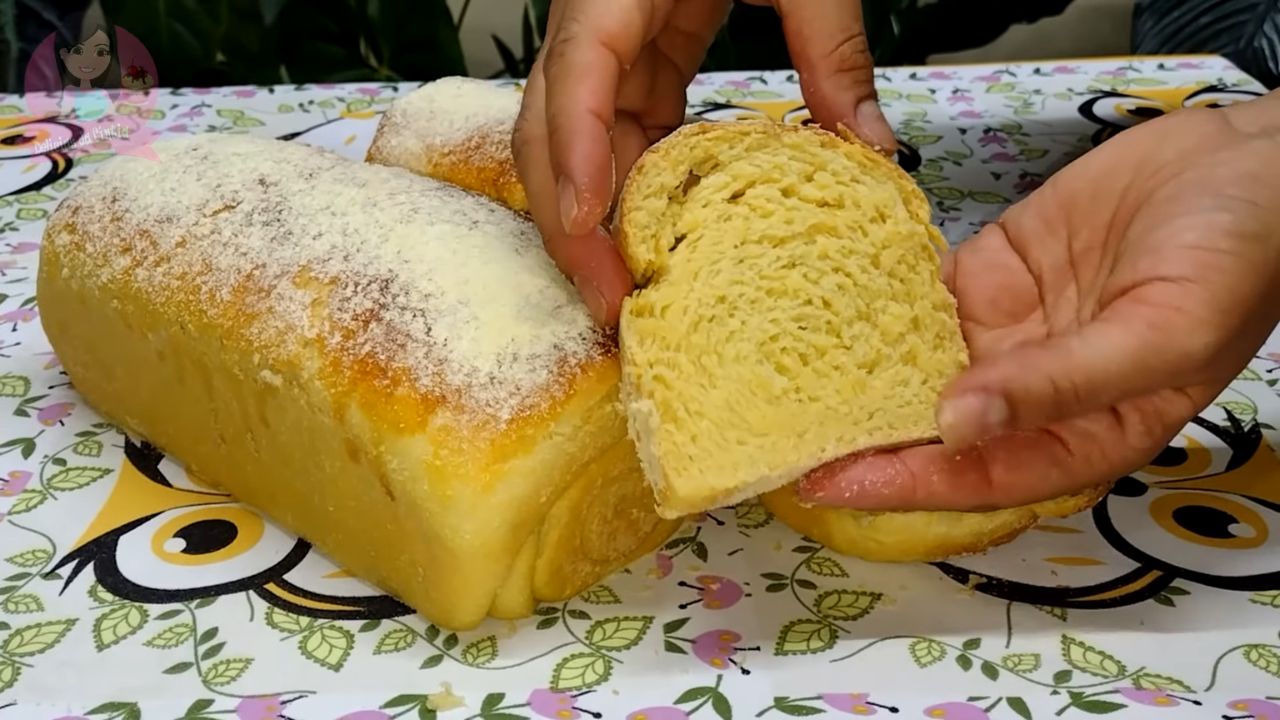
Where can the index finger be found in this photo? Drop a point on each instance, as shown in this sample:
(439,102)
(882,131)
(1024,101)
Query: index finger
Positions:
(582,67)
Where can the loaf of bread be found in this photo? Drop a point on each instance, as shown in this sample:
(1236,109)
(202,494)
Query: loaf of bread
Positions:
(387,365)
(456,129)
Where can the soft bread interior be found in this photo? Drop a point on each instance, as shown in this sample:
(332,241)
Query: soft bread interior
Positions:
(790,309)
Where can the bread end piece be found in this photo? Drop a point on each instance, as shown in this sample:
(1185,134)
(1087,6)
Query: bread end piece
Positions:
(918,536)
(455,129)
(789,309)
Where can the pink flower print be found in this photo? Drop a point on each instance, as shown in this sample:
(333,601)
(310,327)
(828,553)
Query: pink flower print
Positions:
(371,92)
(854,703)
(201,91)
(558,705)
(1253,709)
(956,711)
(1189,65)
(326,86)
(1117,73)
(970,114)
(662,566)
(259,708)
(665,712)
(988,79)
(191,114)
(14,483)
(739,84)
(714,592)
(716,648)
(366,715)
(7,264)
(179,128)
(1155,698)
(244,93)
(21,315)
(22,248)
(1065,70)
(940,75)
(53,361)
(54,414)
(1273,357)
(993,137)
(960,98)
(1003,157)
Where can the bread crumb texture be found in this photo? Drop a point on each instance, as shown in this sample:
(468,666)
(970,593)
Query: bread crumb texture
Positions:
(430,285)
(790,309)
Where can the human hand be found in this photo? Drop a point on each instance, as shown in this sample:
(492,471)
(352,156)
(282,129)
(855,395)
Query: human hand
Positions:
(1102,313)
(610,80)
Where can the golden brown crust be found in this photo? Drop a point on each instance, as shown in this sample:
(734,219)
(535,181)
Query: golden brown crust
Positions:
(481,162)
(922,536)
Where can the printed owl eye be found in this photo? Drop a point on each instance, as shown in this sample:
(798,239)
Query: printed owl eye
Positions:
(1226,536)
(798,116)
(1217,98)
(35,138)
(1126,110)
(200,547)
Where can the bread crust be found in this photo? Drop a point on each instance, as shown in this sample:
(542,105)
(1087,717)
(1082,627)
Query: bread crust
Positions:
(919,536)
(478,158)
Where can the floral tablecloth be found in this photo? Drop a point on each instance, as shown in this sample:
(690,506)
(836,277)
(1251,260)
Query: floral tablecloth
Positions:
(120,601)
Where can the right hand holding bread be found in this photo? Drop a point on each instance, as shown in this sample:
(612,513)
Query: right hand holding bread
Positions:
(1102,313)
(610,80)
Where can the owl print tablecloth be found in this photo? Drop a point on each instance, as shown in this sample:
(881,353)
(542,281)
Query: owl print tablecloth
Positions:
(126,594)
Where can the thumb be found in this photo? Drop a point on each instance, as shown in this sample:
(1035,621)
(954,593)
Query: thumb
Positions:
(828,46)
(1124,353)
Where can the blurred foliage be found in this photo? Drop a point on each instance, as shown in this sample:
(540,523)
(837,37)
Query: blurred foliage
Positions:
(222,42)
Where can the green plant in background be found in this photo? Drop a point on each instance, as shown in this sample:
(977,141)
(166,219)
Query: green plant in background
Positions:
(222,42)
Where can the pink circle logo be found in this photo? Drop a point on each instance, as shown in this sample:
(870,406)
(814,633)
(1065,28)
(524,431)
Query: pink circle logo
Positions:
(101,79)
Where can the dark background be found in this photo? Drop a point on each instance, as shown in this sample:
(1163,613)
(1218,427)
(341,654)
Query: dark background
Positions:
(224,42)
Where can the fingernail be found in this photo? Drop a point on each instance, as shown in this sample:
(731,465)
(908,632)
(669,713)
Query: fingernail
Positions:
(593,298)
(568,203)
(873,128)
(967,419)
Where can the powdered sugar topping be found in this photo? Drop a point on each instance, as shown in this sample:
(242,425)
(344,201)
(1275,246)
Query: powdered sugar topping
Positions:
(451,109)
(420,275)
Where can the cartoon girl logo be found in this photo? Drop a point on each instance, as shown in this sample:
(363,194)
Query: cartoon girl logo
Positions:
(98,76)
(89,67)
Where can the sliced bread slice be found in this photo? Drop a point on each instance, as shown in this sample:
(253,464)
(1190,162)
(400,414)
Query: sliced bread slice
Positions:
(789,309)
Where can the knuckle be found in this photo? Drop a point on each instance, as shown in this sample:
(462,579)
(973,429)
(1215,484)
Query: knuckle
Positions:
(851,55)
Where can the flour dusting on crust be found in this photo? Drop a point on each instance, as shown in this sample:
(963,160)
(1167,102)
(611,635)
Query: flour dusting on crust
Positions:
(420,276)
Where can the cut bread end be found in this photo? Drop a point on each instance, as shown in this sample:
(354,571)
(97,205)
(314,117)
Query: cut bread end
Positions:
(789,309)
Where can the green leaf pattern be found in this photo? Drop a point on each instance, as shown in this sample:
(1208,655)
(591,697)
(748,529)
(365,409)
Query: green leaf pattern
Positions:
(607,637)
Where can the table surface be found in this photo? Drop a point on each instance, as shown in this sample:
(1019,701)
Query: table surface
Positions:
(1142,608)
